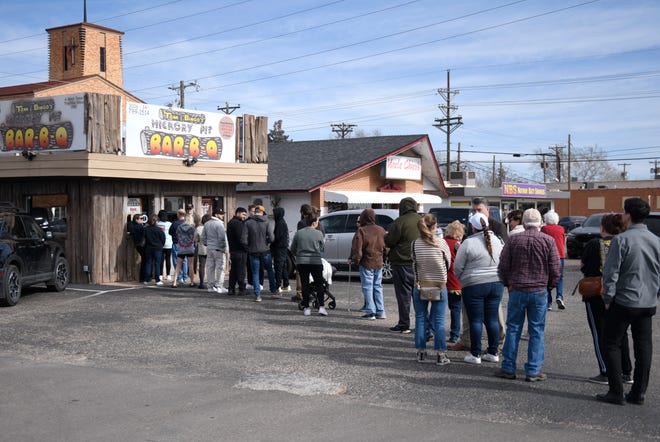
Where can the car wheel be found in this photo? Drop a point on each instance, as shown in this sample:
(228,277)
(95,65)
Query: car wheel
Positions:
(387,270)
(60,276)
(11,286)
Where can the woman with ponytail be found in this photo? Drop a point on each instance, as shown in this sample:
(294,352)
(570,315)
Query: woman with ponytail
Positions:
(431,261)
(476,268)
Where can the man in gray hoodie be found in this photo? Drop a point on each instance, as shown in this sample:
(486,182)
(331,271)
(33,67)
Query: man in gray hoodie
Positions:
(260,235)
(214,237)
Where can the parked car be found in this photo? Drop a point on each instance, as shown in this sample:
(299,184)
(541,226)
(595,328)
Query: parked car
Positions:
(28,256)
(339,228)
(571,222)
(447,215)
(577,238)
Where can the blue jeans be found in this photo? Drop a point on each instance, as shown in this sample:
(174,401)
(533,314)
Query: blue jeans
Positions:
(153,258)
(481,304)
(454,302)
(267,260)
(535,305)
(372,290)
(560,285)
(184,264)
(436,321)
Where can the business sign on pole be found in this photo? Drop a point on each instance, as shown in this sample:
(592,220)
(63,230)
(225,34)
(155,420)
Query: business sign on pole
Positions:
(403,168)
(165,132)
(51,124)
(523,190)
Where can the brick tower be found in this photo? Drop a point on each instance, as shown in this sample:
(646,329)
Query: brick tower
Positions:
(85,49)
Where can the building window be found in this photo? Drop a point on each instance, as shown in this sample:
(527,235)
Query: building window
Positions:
(102,60)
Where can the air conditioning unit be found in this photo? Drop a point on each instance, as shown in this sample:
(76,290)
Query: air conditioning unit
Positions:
(463,178)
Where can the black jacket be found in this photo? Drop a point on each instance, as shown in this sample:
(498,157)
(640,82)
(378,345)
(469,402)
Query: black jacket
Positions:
(237,235)
(154,237)
(281,231)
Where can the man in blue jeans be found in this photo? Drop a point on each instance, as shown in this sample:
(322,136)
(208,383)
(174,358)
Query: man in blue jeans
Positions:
(529,264)
(260,234)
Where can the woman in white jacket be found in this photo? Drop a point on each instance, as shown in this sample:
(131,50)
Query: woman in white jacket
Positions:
(476,268)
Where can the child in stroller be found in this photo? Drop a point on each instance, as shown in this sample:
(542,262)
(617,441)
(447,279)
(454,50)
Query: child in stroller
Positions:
(329,298)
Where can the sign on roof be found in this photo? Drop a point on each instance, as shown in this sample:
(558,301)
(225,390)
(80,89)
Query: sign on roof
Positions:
(403,168)
(165,132)
(523,190)
(42,124)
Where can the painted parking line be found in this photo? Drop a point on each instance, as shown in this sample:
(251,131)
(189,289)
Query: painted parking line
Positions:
(99,293)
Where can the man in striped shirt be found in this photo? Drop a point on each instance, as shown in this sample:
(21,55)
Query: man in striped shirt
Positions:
(529,264)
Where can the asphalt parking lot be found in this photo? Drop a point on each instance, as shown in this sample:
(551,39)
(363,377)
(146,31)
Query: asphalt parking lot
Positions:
(129,362)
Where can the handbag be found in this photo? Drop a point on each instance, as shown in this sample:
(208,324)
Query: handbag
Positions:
(591,286)
(428,290)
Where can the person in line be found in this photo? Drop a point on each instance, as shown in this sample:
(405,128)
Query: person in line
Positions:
(166,262)
(367,252)
(631,286)
(480,205)
(279,249)
(185,240)
(307,246)
(249,268)
(593,259)
(476,268)
(200,250)
(431,261)
(214,237)
(137,234)
(557,233)
(529,264)
(515,222)
(260,235)
(403,231)
(180,219)
(306,211)
(153,250)
(453,236)
(238,251)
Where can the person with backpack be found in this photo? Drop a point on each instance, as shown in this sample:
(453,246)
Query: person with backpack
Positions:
(185,240)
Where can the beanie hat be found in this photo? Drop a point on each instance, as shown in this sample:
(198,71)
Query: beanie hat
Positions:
(531,218)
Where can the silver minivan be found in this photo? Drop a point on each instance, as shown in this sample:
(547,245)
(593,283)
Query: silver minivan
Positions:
(340,227)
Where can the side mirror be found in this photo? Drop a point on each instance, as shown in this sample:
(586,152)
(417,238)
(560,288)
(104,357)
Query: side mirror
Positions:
(48,234)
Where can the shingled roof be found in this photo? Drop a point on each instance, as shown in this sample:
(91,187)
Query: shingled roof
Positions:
(307,165)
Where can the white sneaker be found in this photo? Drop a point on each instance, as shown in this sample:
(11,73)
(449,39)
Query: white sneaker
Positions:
(307,312)
(323,311)
(210,289)
(286,289)
(222,290)
(261,287)
(471,359)
(248,287)
(159,283)
(490,358)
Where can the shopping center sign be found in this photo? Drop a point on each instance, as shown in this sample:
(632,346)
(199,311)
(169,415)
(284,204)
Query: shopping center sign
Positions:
(523,190)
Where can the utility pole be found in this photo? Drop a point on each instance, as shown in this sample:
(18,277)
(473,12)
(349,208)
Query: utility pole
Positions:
(448,124)
(458,158)
(557,149)
(182,90)
(342,129)
(544,165)
(492,180)
(570,179)
(228,109)
(624,174)
(655,171)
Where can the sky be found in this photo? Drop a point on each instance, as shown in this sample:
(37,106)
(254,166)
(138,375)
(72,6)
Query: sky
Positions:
(527,73)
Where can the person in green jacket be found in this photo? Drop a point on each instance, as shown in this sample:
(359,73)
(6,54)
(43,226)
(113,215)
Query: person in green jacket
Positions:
(402,232)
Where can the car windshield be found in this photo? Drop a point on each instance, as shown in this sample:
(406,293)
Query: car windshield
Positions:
(593,221)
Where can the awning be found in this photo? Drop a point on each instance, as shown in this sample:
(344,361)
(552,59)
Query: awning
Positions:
(357,197)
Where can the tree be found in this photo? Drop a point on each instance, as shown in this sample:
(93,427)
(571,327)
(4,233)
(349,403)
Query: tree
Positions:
(361,133)
(587,164)
(276,134)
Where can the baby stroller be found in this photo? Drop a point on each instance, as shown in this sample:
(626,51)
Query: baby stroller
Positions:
(328,298)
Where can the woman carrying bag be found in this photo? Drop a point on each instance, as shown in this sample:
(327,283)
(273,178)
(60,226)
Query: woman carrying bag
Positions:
(431,259)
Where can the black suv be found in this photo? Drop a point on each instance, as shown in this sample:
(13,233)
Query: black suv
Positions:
(28,256)
(577,238)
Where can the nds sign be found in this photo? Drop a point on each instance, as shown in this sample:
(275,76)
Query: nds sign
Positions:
(403,168)
(523,190)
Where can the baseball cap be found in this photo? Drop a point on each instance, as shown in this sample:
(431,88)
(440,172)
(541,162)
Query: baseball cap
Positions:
(475,221)
(260,209)
(189,207)
(218,211)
